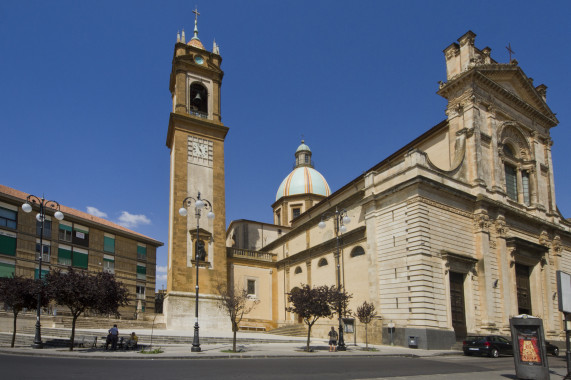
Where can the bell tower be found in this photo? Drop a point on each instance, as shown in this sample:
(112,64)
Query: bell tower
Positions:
(195,138)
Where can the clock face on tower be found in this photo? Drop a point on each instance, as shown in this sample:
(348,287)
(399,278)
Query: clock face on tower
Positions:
(200,150)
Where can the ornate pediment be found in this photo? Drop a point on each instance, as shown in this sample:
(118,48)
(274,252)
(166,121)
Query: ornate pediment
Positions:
(512,80)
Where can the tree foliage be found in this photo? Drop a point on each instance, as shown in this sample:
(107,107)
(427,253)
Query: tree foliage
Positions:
(339,301)
(234,302)
(366,312)
(20,293)
(310,304)
(81,291)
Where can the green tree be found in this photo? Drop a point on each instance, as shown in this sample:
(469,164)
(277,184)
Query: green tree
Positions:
(366,312)
(310,304)
(81,291)
(20,293)
(234,302)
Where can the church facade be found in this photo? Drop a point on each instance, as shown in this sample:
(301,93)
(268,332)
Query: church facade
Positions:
(452,234)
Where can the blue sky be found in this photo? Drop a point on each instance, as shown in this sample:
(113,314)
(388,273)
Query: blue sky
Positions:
(85,103)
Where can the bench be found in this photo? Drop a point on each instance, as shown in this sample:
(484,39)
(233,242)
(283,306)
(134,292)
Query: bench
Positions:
(85,341)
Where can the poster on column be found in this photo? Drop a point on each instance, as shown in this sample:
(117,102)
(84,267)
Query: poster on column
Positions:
(564,291)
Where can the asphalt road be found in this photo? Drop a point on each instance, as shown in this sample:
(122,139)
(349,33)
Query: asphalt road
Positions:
(449,367)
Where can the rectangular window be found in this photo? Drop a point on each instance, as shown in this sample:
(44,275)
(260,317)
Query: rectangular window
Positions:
(47,228)
(80,235)
(141,252)
(140,292)
(8,218)
(511,182)
(65,231)
(108,264)
(7,243)
(141,272)
(64,255)
(251,288)
(45,251)
(80,258)
(109,243)
(44,273)
(525,187)
(7,270)
(296,212)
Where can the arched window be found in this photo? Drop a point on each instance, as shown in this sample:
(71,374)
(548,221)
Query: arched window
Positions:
(198,100)
(323,262)
(512,165)
(357,251)
(297,270)
(511,181)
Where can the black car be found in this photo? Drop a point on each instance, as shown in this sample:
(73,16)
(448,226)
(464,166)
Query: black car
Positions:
(495,345)
(491,345)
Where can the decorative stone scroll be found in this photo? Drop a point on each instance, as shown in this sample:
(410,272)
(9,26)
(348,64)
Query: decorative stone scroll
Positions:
(501,226)
(556,246)
(482,222)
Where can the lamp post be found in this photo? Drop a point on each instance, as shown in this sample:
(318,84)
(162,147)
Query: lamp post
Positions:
(199,204)
(341,219)
(41,217)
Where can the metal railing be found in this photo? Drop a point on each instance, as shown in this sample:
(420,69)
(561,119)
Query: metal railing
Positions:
(250,255)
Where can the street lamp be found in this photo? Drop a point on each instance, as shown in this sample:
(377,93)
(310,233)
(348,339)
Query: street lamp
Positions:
(41,217)
(198,205)
(341,219)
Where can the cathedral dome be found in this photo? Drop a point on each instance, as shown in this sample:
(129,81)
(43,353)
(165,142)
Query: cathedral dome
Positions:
(304,179)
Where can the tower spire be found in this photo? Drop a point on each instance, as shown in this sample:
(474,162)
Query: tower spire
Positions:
(196,14)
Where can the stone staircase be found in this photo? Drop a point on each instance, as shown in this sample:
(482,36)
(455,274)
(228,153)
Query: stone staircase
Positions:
(290,330)
(106,323)
(59,337)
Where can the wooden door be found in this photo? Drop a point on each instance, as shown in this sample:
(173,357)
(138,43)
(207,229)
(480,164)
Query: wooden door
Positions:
(523,289)
(457,305)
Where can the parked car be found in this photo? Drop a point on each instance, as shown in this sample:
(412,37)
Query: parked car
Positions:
(495,345)
(491,345)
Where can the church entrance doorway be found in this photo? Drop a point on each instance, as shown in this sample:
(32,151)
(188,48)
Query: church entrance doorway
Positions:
(457,305)
(523,289)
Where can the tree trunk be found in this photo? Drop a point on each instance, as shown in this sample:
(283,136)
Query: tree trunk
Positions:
(366,337)
(234,331)
(14,333)
(234,341)
(308,337)
(72,339)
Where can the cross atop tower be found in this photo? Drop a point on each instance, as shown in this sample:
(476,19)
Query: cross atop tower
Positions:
(196,14)
(510,51)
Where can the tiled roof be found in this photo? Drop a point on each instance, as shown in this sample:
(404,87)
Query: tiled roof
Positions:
(80,214)
(196,43)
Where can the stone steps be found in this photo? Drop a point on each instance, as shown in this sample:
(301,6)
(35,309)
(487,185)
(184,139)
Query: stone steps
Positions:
(290,330)
(58,337)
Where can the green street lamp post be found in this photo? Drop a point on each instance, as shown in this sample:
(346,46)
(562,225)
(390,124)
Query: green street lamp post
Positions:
(340,219)
(41,217)
(199,204)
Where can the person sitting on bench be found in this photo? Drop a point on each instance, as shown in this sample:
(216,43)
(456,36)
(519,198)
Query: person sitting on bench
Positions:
(132,341)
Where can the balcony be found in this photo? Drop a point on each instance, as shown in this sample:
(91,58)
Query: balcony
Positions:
(250,255)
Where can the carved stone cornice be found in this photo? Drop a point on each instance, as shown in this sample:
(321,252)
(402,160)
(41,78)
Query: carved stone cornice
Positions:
(556,246)
(458,263)
(439,205)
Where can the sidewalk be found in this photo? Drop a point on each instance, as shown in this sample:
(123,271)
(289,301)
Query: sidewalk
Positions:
(266,349)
